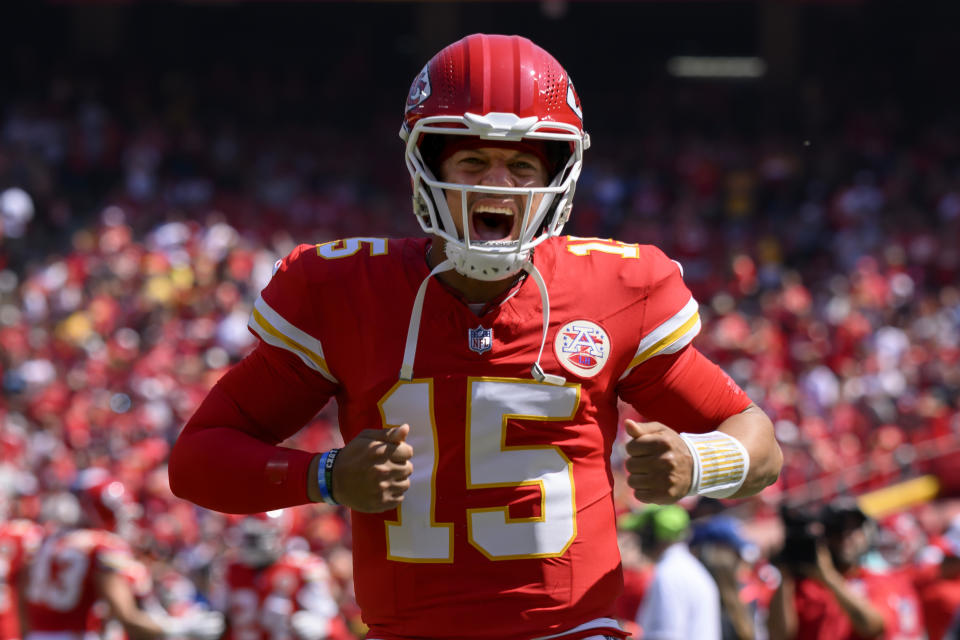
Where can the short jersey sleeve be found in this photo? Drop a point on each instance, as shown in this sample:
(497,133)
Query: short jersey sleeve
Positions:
(285,313)
(670,318)
(668,379)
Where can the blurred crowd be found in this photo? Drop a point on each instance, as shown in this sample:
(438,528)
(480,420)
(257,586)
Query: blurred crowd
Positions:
(137,229)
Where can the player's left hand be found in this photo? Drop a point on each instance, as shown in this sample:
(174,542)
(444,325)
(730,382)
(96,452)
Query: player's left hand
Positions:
(659,465)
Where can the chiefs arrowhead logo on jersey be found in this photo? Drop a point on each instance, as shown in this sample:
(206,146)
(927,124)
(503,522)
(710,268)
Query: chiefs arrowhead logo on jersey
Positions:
(582,348)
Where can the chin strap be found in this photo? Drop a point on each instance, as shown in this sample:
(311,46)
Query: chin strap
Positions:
(413,330)
(537,371)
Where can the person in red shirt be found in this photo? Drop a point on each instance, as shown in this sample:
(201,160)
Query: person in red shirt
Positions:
(19,539)
(829,596)
(77,566)
(477,373)
(939,585)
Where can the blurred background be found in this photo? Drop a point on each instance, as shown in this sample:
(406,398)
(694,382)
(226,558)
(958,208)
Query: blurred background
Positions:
(800,158)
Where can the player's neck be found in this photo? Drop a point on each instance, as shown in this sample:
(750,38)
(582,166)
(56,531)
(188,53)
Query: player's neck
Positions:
(471,290)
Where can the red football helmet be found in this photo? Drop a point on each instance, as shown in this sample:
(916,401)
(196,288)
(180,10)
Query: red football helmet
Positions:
(261,537)
(502,89)
(105,502)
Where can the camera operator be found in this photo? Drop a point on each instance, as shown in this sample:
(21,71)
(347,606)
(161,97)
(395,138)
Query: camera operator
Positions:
(826,594)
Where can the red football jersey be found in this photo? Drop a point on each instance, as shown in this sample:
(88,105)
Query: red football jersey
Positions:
(61,590)
(19,539)
(508,527)
(258,603)
(820,617)
(137,575)
(939,597)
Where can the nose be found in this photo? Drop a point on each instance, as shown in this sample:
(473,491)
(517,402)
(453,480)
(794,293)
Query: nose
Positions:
(498,174)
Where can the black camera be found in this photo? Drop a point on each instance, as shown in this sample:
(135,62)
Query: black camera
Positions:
(802,530)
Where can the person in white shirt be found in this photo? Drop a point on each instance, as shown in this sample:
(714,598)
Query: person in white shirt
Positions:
(682,601)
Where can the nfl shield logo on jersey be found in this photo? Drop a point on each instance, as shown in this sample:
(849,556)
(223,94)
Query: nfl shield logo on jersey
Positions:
(582,348)
(480,339)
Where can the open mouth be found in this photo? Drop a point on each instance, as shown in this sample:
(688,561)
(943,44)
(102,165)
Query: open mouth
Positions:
(491,222)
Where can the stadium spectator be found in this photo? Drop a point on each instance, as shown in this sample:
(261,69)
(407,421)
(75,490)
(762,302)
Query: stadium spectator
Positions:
(825,592)
(682,599)
(938,585)
(718,543)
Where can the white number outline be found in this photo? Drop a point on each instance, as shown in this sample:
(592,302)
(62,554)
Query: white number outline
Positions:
(64,593)
(446,556)
(583,246)
(505,510)
(331,250)
(398,523)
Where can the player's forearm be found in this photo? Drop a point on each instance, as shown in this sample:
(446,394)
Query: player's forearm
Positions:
(226,457)
(114,591)
(227,470)
(754,430)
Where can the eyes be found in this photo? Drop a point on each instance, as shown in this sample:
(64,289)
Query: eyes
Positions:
(521,165)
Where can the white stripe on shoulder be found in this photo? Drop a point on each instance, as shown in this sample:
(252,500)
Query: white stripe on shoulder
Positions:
(669,337)
(275,330)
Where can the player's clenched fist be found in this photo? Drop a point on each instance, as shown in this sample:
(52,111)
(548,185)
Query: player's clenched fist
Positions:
(659,466)
(372,472)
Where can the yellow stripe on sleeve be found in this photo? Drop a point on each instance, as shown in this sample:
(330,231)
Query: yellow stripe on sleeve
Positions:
(272,335)
(667,340)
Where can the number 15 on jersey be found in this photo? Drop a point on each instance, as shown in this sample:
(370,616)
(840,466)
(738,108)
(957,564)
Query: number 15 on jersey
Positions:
(416,536)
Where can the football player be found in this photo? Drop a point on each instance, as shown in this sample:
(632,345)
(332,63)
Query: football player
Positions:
(477,372)
(77,566)
(270,591)
(19,539)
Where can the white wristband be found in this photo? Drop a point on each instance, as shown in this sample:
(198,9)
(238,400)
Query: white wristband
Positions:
(720,464)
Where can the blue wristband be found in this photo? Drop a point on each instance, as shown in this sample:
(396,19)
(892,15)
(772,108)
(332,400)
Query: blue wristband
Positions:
(328,472)
(325,474)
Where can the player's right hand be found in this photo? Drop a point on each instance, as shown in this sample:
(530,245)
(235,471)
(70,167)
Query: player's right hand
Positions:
(372,472)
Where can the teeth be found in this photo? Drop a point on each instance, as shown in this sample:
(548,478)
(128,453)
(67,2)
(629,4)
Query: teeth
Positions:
(492,209)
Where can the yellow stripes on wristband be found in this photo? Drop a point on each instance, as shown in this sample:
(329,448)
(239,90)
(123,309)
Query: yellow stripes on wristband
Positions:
(721,463)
